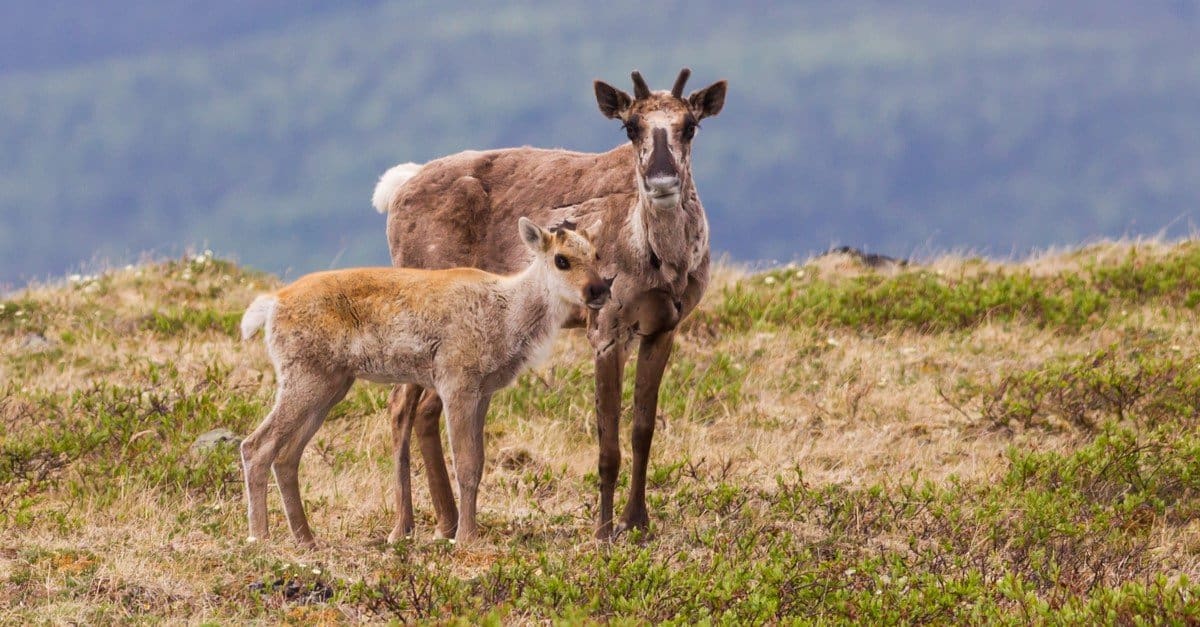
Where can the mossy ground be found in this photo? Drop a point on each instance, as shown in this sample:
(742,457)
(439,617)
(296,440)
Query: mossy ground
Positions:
(958,441)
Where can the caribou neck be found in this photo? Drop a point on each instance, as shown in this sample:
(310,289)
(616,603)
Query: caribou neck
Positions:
(533,310)
(664,238)
(526,293)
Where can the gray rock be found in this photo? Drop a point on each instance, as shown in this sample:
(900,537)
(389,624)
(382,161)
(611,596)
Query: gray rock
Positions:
(216,437)
(36,343)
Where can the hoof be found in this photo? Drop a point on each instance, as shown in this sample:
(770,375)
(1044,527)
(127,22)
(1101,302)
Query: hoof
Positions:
(638,531)
(397,535)
(605,532)
(307,543)
(637,520)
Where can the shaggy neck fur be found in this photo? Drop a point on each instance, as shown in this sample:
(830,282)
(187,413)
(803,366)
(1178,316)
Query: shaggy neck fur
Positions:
(534,311)
(674,236)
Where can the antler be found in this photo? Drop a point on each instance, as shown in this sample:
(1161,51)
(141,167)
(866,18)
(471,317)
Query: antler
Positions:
(677,90)
(640,90)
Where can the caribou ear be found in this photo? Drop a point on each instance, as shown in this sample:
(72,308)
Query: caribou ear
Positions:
(534,236)
(708,101)
(590,234)
(613,102)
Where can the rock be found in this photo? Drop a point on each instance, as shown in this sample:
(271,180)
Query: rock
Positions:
(212,439)
(36,343)
(870,260)
(514,458)
(293,590)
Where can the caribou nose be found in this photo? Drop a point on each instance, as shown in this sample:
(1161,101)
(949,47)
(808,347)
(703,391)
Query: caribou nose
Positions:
(663,191)
(597,294)
(662,185)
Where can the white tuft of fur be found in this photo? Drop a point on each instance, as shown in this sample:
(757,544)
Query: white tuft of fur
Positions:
(257,314)
(385,189)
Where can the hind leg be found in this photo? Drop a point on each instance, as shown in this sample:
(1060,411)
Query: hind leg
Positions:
(403,408)
(260,449)
(258,453)
(321,393)
(429,414)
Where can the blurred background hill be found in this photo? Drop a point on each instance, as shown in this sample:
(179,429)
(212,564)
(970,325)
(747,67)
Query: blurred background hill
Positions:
(258,128)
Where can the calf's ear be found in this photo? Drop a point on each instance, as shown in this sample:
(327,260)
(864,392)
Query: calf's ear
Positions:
(534,236)
(591,232)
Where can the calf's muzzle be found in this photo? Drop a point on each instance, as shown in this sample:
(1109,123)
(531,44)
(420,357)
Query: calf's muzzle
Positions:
(596,294)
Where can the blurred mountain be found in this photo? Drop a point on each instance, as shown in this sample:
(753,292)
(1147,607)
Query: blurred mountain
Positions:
(258,128)
(36,34)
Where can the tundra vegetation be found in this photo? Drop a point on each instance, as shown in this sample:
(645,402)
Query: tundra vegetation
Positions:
(954,441)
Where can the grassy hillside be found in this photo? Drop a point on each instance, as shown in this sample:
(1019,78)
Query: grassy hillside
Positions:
(957,441)
(259,131)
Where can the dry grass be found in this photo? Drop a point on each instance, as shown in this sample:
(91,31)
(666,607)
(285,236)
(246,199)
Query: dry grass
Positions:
(108,516)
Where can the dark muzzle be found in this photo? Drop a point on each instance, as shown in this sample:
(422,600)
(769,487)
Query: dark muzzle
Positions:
(596,294)
(662,175)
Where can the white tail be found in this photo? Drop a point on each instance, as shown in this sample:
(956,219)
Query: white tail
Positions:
(385,189)
(256,315)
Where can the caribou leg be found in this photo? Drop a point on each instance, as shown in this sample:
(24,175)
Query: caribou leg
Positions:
(403,409)
(323,395)
(465,414)
(429,413)
(609,364)
(653,354)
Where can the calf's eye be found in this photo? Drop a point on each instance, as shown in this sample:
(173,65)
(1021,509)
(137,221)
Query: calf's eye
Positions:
(561,262)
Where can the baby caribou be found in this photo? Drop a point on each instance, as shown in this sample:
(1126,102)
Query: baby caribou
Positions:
(463,332)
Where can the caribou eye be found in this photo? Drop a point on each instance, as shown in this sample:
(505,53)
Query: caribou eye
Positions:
(631,128)
(689,129)
(561,262)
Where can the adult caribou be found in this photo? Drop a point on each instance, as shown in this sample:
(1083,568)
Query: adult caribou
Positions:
(640,205)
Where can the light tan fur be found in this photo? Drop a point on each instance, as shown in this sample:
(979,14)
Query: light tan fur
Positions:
(463,332)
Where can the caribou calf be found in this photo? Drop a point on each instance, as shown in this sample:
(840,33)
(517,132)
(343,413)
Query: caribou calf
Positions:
(463,332)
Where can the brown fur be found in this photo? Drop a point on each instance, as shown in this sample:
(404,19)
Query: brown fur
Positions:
(463,332)
(458,210)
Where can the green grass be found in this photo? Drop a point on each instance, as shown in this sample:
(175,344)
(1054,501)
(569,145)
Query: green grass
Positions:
(1082,511)
(178,322)
(935,302)
(1144,381)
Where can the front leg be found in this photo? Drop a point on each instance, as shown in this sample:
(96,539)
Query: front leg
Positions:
(466,411)
(609,364)
(653,354)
